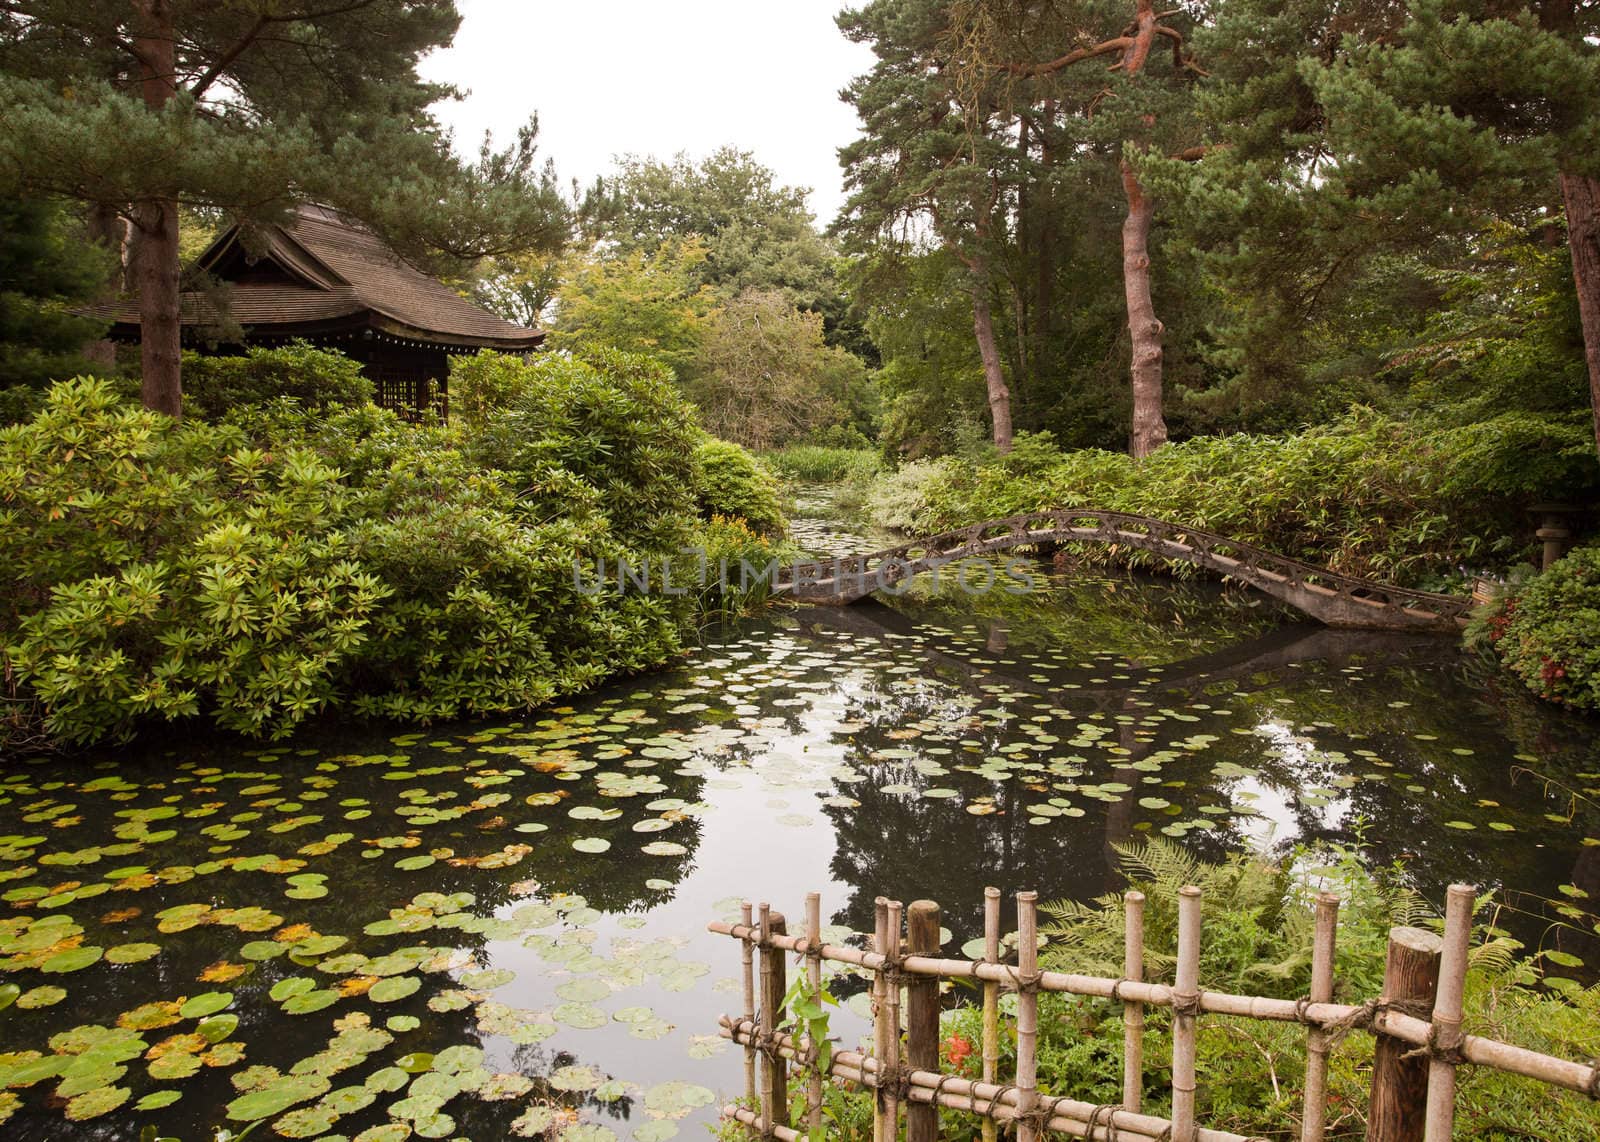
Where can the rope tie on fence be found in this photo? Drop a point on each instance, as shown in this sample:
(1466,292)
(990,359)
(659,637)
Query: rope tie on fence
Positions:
(1365,1017)
(1021,980)
(1109,1111)
(1444,1043)
(1116,989)
(994,1101)
(1188,1004)
(895,1077)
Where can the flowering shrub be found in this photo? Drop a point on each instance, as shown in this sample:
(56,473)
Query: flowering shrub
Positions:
(1549,634)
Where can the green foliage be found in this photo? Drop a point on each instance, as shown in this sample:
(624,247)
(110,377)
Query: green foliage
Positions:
(765,376)
(46,267)
(1548,635)
(733,485)
(645,301)
(257,571)
(484,385)
(758,234)
(900,500)
(612,420)
(737,565)
(819,464)
(1405,501)
(314,378)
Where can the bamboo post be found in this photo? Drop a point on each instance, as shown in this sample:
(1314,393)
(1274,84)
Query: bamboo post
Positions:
(922,1017)
(892,990)
(1400,1084)
(1460,902)
(748,952)
(991,997)
(814,978)
(880,1023)
(774,1070)
(1314,1120)
(1133,1013)
(1027,1016)
(1185,1014)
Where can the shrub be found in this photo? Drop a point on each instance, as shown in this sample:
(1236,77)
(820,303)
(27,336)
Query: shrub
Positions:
(484,385)
(614,420)
(732,484)
(317,379)
(257,571)
(736,559)
(153,569)
(1549,634)
(900,500)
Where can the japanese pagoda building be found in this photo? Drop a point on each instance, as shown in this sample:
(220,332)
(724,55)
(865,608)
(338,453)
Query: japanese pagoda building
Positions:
(325,279)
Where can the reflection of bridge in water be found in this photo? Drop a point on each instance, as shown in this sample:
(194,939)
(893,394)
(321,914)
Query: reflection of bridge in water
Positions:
(1329,597)
(1255,663)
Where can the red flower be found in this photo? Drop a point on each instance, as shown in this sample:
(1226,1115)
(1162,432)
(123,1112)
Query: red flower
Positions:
(957,1049)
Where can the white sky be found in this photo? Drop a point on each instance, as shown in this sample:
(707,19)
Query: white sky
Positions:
(612,77)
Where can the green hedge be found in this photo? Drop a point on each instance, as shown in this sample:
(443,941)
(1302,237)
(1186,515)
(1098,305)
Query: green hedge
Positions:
(215,386)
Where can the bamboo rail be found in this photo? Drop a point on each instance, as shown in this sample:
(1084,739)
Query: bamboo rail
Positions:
(897,1080)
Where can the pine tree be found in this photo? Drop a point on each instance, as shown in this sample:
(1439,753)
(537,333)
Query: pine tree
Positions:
(140,107)
(929,160)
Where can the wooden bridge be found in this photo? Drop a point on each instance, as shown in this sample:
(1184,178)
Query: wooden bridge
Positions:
(1327,596)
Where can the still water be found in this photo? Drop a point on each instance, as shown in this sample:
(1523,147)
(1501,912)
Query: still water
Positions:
(485,930)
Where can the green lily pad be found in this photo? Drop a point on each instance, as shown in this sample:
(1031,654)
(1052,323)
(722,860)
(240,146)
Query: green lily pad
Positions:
(71,960)
(277,1097)
(94,1103)
(308,1002)
(394,988)
(208,1003)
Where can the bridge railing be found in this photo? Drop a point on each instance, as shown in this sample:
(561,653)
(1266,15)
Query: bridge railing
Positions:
(1416,1024)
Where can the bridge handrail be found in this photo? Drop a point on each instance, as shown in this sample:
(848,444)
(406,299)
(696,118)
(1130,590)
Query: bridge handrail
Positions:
(1063,524)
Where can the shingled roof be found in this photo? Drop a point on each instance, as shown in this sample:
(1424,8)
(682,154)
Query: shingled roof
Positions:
(321,272)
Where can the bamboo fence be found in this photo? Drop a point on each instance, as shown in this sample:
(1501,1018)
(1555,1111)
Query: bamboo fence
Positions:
(1415,1022)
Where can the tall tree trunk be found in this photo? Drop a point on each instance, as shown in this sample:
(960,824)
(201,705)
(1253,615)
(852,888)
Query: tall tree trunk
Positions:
(155,262)
(994,376)
(1581,195)
(1149,425)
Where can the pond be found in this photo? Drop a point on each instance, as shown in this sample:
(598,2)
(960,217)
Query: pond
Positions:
(485,930)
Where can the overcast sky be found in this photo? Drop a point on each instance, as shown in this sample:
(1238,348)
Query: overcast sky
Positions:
(654,77)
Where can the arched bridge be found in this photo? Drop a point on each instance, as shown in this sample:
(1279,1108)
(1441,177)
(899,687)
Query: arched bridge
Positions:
(1327,596)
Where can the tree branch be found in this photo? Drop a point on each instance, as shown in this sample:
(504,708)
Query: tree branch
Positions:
(1078,55)
(263,21)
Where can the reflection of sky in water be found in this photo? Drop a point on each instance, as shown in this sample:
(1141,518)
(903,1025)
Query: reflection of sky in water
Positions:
(921,751)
